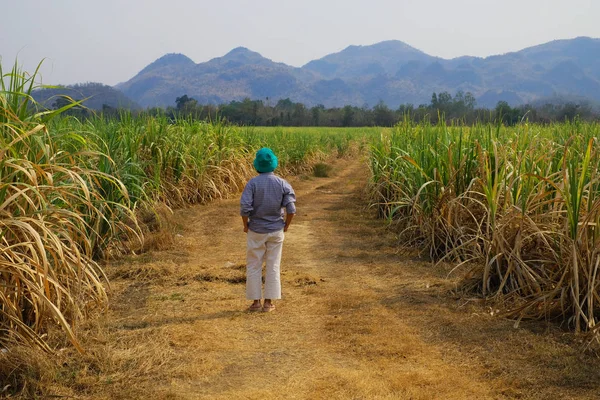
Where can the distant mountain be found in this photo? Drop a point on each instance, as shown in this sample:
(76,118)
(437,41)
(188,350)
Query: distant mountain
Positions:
(97,96)
(384,58)
(240,73)
(390,71)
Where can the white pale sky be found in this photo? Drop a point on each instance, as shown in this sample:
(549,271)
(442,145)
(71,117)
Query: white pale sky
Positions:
(110,41)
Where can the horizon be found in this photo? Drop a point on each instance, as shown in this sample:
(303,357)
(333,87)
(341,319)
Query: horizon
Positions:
(351,45)
(372,44)
(111,41)
(301,66)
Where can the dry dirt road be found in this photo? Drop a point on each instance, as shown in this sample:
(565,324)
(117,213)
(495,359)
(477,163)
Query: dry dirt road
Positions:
(357,321)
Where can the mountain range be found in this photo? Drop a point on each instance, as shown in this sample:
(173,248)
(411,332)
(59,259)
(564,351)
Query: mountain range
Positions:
(389,71)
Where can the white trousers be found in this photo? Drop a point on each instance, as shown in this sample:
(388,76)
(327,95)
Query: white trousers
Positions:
(263,247)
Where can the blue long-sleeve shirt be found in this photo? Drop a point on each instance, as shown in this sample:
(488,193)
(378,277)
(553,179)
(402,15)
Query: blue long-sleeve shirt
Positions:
(263,200)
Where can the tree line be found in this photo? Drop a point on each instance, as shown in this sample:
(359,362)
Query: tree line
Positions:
(462,107)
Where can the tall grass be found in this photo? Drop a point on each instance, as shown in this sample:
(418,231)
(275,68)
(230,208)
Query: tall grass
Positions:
(50,210)
(73,192)
(189,162)
(519,204)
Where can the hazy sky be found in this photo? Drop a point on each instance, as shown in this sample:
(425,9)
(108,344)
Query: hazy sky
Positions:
(110,41)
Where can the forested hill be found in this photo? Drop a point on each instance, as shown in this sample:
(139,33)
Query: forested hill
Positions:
(98,96)
(391,71)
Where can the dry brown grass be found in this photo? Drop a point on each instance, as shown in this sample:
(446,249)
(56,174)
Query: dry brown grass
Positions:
(357,320)
(520,204)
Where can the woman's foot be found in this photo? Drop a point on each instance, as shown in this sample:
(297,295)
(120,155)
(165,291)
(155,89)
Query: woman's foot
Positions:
(268,306)
(256,306)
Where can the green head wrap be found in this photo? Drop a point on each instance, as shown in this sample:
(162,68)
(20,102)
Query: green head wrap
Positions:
(265,161)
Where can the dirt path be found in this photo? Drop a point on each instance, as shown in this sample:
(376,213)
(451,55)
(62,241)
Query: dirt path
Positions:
(357,321)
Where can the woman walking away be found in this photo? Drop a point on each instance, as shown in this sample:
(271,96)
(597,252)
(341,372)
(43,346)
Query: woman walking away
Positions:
(262,206)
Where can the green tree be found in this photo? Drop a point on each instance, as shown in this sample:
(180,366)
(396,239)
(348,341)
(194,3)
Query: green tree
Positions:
(182,101)
(316,112)
(348,116)
(434,101)
(382,115)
